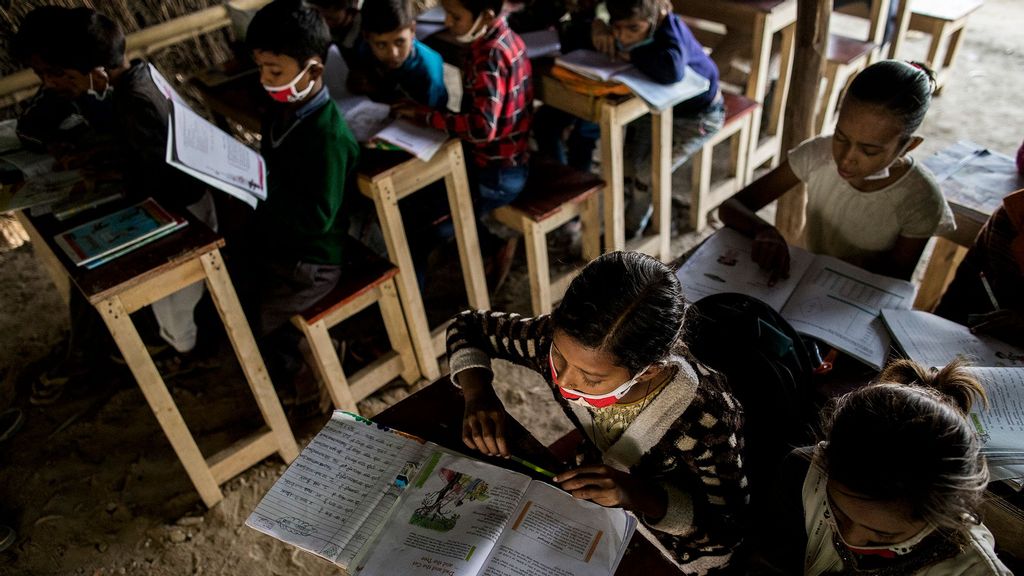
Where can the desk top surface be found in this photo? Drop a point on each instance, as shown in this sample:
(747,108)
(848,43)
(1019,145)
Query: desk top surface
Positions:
(435,413)
(974,180)
(133,268)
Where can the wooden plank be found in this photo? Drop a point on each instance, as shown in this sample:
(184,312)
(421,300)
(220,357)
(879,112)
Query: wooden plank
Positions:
(242,455)
(226,301)
(45,254)
(397,330)
(538,267)
(167,283)
(159,399)
(809,60)
(612,169)
(460,201)
(661,181)
(939,272)
(397,244)
(590,223)
(375,375)
(354,306)
(326,364)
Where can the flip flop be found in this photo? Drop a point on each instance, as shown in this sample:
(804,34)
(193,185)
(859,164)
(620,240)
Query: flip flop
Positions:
(47,389)
(7,537)
(10,422)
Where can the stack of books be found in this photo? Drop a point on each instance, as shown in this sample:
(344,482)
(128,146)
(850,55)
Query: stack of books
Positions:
(104,239)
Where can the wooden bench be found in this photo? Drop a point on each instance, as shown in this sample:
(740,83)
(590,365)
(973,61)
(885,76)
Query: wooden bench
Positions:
(848,56)
(554,194)
(366,279)
(739,112)
(945,21)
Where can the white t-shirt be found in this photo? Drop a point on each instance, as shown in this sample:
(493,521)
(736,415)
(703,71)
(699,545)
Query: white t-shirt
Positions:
(853,225)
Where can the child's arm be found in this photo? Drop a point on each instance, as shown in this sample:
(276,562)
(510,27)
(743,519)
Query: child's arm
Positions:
(480,122)
(663,60)
(770,250)
(474,338)
(900,260)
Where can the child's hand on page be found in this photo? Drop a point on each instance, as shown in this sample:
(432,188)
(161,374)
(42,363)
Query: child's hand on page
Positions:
(602,39)
(607,486)
(483,422)
(771,253)
(408,110)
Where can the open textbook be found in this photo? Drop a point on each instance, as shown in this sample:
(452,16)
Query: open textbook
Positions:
(824,297)
(198,148)
(377,502)
(1001,424)
(598,66)
(933,341)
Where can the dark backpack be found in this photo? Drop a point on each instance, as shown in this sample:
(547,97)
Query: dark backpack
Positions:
(769,370)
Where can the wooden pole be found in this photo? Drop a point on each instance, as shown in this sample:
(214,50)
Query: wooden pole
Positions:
(22,84)
(808,64)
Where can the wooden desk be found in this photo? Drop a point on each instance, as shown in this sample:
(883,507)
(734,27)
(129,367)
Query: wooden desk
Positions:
(435,413)
(613,113)
(387,179)
(142,277)
(762,18)
(974,185)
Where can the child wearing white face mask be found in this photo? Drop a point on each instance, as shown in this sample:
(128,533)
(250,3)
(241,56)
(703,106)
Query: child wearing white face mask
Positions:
(867,202)
(662,434)
(895,489)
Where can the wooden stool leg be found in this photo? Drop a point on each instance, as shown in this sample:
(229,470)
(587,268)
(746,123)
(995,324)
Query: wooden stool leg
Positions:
(326,363)
(398,334)
(159,399)
(226,301)
(537,265)
(460,201)
(902,25)
(936,50)
(740,153)
(612,171)
(831,97)
(661,180)
(781,95)
(700,186)
(941,268)
(956,40)
(590,222)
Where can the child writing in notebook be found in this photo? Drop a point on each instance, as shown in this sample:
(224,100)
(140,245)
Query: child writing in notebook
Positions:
(310,153)
(392,65)
(662,434)
(896,487)
(656,41)
(868,202)
(495,117)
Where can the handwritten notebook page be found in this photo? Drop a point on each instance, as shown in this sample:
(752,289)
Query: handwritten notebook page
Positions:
(338,491)
(1001,424)
(934,341)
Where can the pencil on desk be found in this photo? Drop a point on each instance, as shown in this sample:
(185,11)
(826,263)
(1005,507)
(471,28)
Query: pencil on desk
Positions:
(532,466)
(988,290)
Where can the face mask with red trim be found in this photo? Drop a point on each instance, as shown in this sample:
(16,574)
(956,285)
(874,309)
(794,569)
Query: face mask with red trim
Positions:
(287,94)
(883,551)
(595,400)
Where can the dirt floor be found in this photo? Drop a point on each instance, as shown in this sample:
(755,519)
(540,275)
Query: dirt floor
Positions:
(93,487)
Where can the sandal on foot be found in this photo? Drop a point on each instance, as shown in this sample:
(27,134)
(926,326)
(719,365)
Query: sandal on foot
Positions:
(48,388)
(7,537)
(10,422)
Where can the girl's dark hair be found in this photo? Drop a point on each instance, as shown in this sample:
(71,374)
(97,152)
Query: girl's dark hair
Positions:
(903,88)
(386,16)
(84,39)
(627,304)
(907,438)
(291,28)
(478,7)
(646,9)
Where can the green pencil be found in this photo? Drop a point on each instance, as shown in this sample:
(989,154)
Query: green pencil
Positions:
(532,466)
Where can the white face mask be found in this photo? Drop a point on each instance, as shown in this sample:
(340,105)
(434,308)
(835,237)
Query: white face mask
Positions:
(287,93)
(884,172)
(884,550)
(473,34)
(594,400)
(92,90)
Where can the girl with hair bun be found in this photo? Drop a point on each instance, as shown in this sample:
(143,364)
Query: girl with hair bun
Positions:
(868,203)
(895,488)
(662,434)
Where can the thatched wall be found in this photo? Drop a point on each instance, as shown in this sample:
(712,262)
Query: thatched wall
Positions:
(190,55)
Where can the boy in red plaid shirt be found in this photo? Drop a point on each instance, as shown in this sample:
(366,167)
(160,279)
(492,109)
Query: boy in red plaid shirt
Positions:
(497,111)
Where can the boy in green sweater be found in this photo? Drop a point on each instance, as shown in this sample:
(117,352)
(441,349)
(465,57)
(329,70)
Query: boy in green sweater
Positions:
(310,155)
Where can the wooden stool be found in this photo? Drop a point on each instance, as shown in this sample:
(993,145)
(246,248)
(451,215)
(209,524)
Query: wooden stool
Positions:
(848,56)
(739,112)
(366,278)
(945,21)
(554,194)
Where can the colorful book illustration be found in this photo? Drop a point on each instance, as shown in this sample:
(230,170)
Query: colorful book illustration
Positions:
(377,502)
(824,297)
(204,151)
(116,234)
(598,66)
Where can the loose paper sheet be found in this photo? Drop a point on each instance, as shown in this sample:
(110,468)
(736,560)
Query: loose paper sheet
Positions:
(933,341)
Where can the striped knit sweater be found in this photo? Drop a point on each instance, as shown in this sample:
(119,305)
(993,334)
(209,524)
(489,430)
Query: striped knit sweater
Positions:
(688,439)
